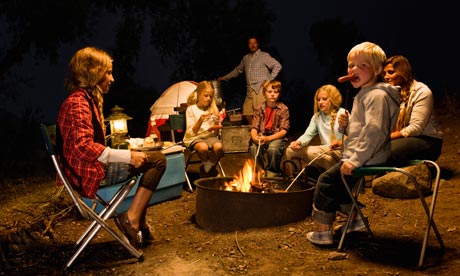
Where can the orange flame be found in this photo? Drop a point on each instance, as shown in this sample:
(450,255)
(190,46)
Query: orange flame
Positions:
(243,179)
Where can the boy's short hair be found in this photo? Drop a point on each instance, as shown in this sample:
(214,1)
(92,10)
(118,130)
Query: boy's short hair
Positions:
(273,83)
(372,53)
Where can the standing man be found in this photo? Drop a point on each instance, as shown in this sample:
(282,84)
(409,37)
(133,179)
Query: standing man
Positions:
(258,66)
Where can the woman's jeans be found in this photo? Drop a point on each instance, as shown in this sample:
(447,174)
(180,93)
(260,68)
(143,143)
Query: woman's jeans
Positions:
(412,148)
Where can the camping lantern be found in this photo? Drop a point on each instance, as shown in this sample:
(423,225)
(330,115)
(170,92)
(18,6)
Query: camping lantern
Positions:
(118,126)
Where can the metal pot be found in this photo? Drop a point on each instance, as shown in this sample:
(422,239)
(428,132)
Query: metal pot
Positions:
(218,97)
(222,211)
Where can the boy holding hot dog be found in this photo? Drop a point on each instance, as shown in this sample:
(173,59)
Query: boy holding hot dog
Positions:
(373,116)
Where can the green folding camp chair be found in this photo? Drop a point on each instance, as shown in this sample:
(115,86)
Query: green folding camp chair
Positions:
(371,170)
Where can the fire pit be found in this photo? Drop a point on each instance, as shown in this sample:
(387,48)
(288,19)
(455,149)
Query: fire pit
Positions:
(221,210)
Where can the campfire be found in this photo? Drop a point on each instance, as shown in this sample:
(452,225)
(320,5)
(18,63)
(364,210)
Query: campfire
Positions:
(249,180)
(247,200)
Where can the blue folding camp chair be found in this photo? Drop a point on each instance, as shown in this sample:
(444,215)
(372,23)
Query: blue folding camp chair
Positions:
(99,219)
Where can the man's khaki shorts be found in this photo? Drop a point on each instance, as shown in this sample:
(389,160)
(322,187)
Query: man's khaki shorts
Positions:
(253,101)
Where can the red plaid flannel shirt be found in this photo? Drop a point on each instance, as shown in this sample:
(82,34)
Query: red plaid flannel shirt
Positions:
(80,141)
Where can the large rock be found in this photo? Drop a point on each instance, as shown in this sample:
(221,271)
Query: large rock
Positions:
(398,185)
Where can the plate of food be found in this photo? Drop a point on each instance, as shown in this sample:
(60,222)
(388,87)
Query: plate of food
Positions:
(149,147)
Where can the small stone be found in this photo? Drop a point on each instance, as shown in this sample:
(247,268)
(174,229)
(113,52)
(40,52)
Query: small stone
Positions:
(337,255)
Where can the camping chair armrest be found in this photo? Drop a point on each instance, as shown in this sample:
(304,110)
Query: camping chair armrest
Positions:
(373,170)
(48,143)
(364,171)
(414,162)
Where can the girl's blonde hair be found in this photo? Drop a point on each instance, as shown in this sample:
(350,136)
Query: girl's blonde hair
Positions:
(86,69)
(334,96)
(372,53)
(201,88)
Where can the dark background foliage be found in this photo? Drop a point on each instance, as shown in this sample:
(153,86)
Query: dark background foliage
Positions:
(196,40)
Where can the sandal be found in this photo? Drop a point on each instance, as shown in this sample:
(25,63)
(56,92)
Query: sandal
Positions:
(134,237)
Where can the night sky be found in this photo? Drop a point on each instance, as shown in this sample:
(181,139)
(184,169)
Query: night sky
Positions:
(426,33)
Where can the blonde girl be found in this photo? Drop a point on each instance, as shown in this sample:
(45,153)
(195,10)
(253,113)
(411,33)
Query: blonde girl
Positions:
(203,125)
(323,123)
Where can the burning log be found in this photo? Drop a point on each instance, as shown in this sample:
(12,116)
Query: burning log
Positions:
(249,180)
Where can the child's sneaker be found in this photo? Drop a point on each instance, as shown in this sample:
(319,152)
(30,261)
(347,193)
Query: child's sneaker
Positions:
(321,238)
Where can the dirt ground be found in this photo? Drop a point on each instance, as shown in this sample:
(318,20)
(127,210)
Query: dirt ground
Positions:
(38,229)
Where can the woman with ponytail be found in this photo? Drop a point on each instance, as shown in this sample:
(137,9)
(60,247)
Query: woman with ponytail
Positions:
(416,135)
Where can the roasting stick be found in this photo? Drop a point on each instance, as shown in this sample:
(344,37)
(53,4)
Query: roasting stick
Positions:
(345,79)
(341,80)
(309,163)
(255,158)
